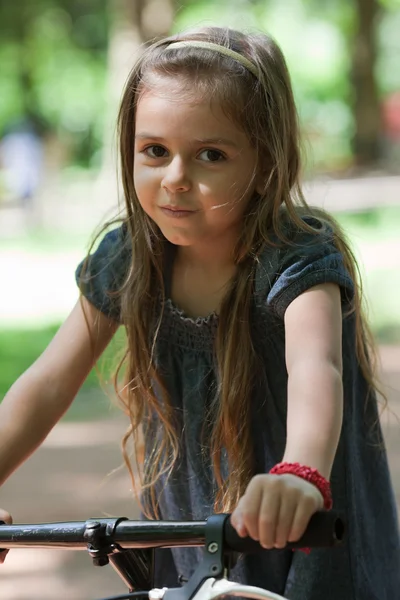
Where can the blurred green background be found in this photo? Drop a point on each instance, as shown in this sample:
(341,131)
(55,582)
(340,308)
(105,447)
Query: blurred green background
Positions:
(63,65)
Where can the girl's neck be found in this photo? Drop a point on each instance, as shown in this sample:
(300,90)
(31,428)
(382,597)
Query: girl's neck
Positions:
(207,257)
(199,281)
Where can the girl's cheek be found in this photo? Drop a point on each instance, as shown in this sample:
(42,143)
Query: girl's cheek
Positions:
(146,190)
(141,180)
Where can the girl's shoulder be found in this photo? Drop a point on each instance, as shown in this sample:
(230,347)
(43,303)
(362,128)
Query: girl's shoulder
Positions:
(100,275)
(298,258)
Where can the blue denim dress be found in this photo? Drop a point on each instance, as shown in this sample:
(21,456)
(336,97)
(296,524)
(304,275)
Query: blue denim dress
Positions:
(367,565)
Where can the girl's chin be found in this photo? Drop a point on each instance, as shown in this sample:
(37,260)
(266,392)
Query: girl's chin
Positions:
(178,241)
(177,238)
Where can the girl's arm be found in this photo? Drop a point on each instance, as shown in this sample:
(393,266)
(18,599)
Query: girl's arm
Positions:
(313,331)
(276,509)
(40,397)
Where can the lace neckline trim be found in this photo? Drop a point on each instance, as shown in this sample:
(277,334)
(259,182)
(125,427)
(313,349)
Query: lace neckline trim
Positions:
(198,321)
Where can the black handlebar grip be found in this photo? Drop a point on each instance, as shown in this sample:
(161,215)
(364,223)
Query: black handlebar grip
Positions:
(325,529)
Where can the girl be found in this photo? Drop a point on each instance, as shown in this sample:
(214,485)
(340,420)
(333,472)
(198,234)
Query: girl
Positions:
(248,360)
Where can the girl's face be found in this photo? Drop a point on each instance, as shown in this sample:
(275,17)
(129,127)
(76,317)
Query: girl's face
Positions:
(193,167)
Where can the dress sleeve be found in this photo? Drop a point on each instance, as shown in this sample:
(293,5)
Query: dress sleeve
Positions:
(309,261)
(100,276)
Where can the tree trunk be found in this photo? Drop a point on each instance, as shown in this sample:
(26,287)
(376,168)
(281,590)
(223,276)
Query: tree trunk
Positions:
(133,22)
(367,144)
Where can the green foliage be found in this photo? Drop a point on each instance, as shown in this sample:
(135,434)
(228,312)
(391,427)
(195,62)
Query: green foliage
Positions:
(391,5)
(53,57)
(388,72)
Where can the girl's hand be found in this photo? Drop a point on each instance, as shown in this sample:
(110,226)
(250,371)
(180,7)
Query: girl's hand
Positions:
(5,518)
(276,509)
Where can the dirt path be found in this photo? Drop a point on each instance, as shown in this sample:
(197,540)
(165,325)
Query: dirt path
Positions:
(67,478)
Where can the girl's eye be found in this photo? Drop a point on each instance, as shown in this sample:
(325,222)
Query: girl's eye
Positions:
(155,151)
(212,155)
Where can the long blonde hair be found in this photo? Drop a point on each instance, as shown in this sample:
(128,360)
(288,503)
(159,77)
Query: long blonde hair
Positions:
(264,108)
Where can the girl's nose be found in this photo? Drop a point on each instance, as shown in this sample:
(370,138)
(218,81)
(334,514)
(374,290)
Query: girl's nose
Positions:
(176,176)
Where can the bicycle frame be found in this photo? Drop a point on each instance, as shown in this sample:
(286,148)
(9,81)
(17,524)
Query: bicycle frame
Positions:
(129,546)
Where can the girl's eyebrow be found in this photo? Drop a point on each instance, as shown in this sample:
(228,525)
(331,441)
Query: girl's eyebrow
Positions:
(213,141)
(218,142)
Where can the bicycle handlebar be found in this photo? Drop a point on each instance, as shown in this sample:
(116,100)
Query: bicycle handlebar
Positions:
(325,529)
(113,540)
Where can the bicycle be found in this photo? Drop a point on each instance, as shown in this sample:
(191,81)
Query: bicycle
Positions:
(129,547)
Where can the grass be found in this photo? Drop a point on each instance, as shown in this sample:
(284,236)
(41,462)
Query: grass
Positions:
(19,348)
(371,225)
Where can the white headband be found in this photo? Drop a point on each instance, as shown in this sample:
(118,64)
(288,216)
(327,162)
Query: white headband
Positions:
(217,48)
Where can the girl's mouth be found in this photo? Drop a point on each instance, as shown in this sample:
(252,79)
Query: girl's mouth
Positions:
(177,213)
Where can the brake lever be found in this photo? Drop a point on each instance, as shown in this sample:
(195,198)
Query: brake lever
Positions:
(215,563)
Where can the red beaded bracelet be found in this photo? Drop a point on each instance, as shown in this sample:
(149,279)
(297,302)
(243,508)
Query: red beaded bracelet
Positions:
(309,474)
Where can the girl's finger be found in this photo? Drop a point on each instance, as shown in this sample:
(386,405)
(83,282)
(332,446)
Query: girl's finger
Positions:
(5,518)
(268,517)
(285,520)
(237,520)
(250,508)
(304,511)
